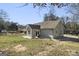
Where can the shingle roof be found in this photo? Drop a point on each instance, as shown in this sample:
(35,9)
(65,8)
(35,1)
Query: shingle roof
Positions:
(33,26)
(49,24)
(45,25)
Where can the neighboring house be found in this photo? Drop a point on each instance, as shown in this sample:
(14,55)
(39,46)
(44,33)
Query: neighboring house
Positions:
(22,29)
(45,29)
(32,30)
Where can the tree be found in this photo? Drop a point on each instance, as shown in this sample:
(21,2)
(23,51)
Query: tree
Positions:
(72,28)
(45,17)
(3,14)
(50,17)
(5,24)
(74,10)
(47,5)
(2,24)
(13,26)
(59,5)
(3,17)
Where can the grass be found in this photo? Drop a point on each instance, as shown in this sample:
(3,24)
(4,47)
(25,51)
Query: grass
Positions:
(66,49)
(10,41)
(35,46)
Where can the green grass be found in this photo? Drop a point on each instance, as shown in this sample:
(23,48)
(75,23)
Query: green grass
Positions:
(35,46)
(10,41)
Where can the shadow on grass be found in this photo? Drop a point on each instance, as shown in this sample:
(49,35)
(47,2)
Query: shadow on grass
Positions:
(68,39)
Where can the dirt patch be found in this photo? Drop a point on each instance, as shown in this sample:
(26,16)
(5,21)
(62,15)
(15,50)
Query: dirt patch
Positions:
(19,48)
(5,49)
(52,47)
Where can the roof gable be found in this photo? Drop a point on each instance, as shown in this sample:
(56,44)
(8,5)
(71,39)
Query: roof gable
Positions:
(45,25)
(49,24)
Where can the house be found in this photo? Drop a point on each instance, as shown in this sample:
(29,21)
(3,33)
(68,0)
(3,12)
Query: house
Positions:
(33,30)
(45,29)
(22,29)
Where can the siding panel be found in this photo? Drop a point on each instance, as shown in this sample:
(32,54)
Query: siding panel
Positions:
(46,33)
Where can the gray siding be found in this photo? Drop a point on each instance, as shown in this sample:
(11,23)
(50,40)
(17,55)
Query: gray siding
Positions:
(58,31)
(46,33)
(34,32)
(27,33)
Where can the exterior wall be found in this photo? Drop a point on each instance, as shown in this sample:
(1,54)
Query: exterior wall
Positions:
(27,33)
(59,30)
(34,32)
(46,33)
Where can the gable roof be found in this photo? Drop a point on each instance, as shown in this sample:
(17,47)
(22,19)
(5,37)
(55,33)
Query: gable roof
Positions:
(45,25)
(49,24)
(33,26)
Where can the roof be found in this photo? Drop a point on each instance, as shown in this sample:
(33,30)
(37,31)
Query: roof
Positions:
(21,26)
(45,25)
(49,24)
(33,26)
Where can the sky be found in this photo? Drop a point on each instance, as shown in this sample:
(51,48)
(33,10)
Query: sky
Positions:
(28,14)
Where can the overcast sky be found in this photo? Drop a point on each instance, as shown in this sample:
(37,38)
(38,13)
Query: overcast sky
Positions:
(28,14)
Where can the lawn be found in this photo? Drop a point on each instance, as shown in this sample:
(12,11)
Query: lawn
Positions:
(16,45)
